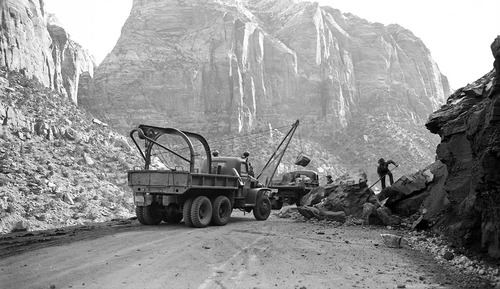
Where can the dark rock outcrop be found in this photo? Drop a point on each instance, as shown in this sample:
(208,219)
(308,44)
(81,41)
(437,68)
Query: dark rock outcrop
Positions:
(30,41)
(469,127)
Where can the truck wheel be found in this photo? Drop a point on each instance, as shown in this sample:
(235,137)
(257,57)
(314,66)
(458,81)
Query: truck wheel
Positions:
(221,211)
(173,215)
(140,215)
(276,204)
(152,214)
(186,212)
(201,212)
(262,208)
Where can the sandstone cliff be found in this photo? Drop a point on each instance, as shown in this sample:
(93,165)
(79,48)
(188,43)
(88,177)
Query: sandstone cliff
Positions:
(227,67)
(30,42)
(469,126)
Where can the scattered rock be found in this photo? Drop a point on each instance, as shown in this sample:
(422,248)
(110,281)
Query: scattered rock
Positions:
(20,226)
(392,241)
(88,160)
(68,198)
(287,211)
(335,216)
(448,256)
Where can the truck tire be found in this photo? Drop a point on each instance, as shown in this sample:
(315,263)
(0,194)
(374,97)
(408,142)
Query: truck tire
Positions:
(262,208)
(152,214)
(139,212)
(276,204)
(221,211)
(201,212)
(173,215)
(186,212)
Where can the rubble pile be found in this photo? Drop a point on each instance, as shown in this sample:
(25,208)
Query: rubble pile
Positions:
(348,197)
(410,208)
(464,262)
(58,166)
(446,253)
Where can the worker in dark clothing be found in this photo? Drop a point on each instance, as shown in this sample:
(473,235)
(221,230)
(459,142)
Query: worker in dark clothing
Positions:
(383,170)
(329,179)
(250,170)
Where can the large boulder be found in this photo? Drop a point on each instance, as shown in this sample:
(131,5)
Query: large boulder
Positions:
(344,197)
(376,215)
(434,200)
(349,194)
(315,196)
(406,196)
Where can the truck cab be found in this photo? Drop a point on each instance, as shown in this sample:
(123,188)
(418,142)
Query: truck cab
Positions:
(233,166)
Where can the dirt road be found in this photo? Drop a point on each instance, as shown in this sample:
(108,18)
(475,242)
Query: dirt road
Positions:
(277,253)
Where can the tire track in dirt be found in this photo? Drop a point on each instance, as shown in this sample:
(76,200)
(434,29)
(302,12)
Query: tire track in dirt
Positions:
(223,269)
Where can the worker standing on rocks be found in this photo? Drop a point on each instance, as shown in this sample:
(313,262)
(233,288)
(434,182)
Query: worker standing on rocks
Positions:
(329,179)
(383,170)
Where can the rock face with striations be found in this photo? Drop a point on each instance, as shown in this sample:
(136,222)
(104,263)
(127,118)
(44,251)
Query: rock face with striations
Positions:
(469,126)
(31,42)
(231,66)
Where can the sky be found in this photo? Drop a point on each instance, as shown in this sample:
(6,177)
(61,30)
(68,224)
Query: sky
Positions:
(457,32)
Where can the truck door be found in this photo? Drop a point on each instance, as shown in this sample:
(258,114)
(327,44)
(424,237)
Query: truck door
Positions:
(250,182)
(244,174)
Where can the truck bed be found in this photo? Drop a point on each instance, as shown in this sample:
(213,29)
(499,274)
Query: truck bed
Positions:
(172,182)
(292,186)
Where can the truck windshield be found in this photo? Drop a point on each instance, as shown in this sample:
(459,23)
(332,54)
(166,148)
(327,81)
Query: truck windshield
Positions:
(243,170)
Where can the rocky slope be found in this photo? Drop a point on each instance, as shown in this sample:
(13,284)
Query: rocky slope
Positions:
(227,67)
(469,127)
(31,40)
(58,166)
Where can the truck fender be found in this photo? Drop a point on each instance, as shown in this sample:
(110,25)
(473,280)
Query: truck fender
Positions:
(254,193)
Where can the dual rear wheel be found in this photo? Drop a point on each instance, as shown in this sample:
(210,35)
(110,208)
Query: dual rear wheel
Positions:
(148,215)
(153,215)
(200,212)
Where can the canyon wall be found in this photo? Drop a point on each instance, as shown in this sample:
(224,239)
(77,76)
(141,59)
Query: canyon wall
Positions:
(189,61)
(227,67)
(31,42)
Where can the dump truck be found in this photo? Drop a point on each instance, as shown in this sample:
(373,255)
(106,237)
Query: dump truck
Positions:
(292,187)
(183,180)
